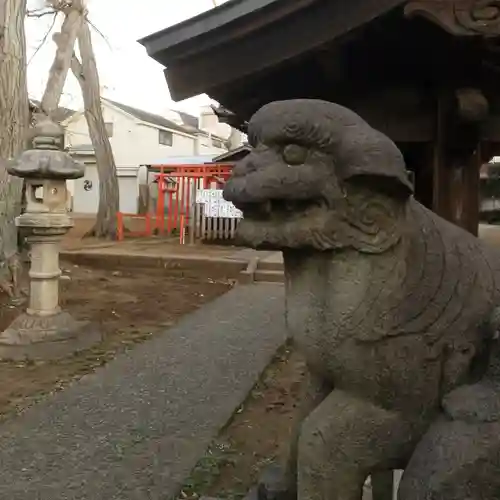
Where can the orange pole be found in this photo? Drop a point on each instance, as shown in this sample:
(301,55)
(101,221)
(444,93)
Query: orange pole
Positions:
(187,205)
(164,184)
(119,223)
(176,205)
(169,216)
(160,207)
(183,199)
(170,211)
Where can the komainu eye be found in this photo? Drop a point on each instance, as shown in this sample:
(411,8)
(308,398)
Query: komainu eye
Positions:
(293,154)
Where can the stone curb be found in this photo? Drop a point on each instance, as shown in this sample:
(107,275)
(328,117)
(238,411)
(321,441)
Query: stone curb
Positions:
(185,266)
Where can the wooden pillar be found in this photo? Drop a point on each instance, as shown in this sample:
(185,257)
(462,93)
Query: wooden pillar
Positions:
(471,192)
(456,166)
(418,159)
(456,190)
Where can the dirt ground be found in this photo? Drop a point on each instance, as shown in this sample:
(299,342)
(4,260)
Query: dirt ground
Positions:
(257,435)
(130,306)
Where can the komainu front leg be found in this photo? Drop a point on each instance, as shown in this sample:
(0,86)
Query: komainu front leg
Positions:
(279,482)
(343,441)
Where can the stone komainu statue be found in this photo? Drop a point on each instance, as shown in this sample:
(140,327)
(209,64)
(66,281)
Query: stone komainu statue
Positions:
(392,307)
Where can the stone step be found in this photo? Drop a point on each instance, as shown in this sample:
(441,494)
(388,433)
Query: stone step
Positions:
(269,265)
(272,263)
(269,276)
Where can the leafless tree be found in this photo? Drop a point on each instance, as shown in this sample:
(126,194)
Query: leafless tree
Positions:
(85,70)
(76,30)
(74,17)
(14,124)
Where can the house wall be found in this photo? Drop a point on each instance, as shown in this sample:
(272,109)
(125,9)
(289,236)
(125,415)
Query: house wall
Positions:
(86,191)
(134,143)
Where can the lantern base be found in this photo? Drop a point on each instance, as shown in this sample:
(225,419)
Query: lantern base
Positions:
(46,338)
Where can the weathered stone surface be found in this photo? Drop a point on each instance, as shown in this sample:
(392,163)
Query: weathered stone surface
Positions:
(393,307)
(36,164)
(46,160)
(44,338)
(44,331)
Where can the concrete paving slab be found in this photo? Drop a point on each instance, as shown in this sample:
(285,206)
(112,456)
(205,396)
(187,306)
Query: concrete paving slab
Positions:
(134,429)
(247,254)
(274,257)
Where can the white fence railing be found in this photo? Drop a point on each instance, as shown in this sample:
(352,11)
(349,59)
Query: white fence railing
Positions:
(213,228)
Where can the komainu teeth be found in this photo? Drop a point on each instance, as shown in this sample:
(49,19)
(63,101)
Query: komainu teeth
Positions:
(267,207)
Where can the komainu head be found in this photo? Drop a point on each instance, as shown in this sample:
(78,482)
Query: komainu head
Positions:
(318,177)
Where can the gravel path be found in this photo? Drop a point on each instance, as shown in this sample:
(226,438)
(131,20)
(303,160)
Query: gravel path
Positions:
(134,429)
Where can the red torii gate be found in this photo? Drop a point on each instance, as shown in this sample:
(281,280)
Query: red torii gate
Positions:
(187,179)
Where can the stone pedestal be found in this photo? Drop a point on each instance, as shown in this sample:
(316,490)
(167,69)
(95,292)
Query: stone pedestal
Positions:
(44,331)
(46,337)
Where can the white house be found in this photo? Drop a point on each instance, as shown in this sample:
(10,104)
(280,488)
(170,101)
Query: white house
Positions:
(137,138)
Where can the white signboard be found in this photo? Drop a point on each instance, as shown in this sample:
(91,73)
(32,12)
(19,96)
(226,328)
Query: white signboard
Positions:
(214,205)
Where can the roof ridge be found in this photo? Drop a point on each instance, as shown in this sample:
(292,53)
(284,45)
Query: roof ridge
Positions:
(150,117)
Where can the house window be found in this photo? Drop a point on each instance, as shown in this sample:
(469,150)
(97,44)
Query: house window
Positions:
(217,143)
(109,129)
(165,137)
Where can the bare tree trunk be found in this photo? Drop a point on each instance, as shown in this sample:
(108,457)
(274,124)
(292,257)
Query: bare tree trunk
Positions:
(65,41)
(88,77)
(14,124)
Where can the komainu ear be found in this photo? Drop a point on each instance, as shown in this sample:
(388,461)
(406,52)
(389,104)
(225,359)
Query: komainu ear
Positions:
(369,157)
(371,223)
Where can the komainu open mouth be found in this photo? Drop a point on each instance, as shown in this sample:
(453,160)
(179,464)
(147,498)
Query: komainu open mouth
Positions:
(279,209)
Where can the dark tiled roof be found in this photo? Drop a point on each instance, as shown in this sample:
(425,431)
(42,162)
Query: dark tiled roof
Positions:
(148,117)
(234,154)
(190,123)
(189,120)
(227,116)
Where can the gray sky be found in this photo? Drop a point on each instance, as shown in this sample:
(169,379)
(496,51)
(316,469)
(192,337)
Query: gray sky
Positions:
(126,72)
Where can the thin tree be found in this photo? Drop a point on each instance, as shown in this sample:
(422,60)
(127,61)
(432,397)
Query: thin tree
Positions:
(85,71)
(75,28)
(14,124)
(65,41)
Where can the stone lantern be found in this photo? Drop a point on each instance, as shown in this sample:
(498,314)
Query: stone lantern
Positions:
(44,331)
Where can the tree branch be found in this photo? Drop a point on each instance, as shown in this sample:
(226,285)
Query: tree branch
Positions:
(65,41)
(76,68)
(44,39)
(38,13)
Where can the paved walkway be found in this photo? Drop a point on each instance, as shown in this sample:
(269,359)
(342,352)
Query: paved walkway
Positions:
(134,429)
